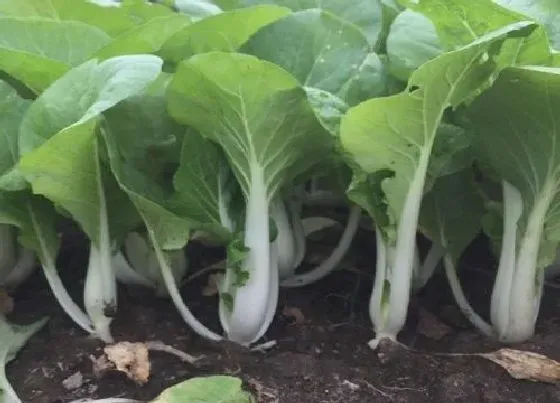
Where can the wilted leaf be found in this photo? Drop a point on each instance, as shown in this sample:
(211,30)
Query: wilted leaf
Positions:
(526,365)
(130,358)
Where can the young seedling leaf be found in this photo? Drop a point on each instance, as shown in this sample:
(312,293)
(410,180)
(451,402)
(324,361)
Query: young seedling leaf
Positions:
(13,339)
(212,389)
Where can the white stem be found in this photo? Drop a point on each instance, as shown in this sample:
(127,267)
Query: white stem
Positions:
(284,242)
(428,268)
(250,304)
(338,253)
(501,294)
(272,293)
(299,233)
(464,305)
(98,297)
(55,283)
(401,267)
(6,390)
(174,293)
(377,303)
(100,289)
(126,274)
(528,282)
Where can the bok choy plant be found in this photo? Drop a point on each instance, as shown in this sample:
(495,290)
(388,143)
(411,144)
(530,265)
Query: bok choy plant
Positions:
(517,136)
(390,140)
(62,160)
(260,117)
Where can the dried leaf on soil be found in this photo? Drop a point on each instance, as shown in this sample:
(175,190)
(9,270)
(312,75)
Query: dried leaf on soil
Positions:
(526,365)
(130,358)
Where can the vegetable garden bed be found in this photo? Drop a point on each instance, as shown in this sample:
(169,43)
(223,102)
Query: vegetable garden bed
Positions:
(324,359)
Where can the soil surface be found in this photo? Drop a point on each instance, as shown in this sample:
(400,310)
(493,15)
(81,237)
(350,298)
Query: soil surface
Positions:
(322,333)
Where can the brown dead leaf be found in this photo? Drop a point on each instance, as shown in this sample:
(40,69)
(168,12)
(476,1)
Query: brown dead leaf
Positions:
(526,365)
(6,302)
(130,358)
(431,327)
(295,313)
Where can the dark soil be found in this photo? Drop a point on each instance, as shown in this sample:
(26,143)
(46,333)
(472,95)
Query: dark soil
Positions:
(324,359)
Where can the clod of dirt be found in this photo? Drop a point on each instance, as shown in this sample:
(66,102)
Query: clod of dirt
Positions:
(6,302)
(295,313)
(74,381)
(526,365)
(130,358)
(431,327)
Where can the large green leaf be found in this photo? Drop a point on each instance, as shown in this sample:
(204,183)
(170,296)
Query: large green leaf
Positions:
(203,191)
(141,140)
(322,51)
(397,133)
(255,111)
(212,389)
(34,217)
(365,14)
(112,20)
(59,142)
(224,32)
(412,41)
(37,51)
(459,23)
(546,12)
(145,38)
(518,137)
(12,109)
(452,212)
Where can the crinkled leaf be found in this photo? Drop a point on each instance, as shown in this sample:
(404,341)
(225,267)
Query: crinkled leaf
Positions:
(33,215)
(452,212)
(255,111)
(212,389)
(310,45)
(451,153)
(224,32)
(546,12)
(85,92)
(397,133)
(37,51)
(364,14)
(60,145)
(518,138)
(143,144)
(203,193)
(145,38)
